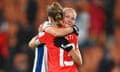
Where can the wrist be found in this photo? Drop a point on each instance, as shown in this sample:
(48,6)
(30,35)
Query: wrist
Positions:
(37,42)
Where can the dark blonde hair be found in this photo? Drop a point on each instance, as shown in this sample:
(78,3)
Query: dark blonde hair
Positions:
(55,11)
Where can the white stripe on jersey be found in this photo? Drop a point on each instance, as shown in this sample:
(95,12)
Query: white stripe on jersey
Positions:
(35,60)
(44,65)
(45,60)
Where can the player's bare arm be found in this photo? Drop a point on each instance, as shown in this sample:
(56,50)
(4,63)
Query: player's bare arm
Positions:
(32,43)
(76,56)
(59,31)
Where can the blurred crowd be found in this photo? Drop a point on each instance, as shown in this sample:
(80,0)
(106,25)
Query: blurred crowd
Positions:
(99,36)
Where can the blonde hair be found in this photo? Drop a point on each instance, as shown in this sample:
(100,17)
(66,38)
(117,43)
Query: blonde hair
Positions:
(69,9)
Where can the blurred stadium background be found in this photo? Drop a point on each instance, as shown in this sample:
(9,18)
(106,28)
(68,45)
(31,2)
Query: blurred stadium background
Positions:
(99,38)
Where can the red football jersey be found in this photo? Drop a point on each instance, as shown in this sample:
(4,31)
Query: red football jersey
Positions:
(58,59)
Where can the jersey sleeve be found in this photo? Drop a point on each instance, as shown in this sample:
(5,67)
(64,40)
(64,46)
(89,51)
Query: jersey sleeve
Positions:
(43,37)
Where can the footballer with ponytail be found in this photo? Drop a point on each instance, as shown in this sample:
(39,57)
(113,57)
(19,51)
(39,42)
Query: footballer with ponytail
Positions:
(63,54)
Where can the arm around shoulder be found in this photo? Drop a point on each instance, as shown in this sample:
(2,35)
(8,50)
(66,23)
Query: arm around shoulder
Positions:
(59,31)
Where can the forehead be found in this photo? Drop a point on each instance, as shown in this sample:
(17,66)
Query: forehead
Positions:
(70,13)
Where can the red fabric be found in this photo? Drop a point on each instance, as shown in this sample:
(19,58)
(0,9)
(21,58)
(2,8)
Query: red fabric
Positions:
(97,19)
(57,56)
(3,45)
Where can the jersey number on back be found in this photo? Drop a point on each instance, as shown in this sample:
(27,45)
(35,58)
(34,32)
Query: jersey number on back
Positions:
(62,61)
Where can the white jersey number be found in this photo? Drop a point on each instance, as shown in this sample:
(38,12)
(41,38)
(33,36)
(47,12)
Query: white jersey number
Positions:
(62,61)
